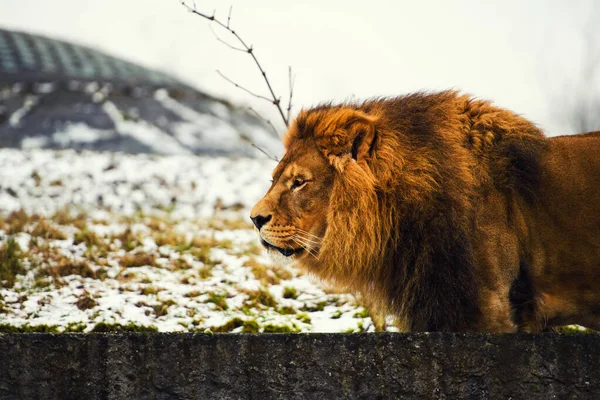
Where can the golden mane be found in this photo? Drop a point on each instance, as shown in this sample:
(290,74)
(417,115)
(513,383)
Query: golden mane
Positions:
(400,219)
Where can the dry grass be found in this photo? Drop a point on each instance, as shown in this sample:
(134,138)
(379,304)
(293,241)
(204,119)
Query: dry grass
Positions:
(46,230)
(85,302)
(259,297)
(137,260)
(66,267)
(10,262)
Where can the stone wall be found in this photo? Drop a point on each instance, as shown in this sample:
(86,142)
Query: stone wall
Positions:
(299,366)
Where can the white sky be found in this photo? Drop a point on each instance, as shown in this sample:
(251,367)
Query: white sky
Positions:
(521,54)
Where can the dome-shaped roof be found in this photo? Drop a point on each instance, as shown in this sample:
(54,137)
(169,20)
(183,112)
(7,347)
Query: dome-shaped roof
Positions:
(33,58)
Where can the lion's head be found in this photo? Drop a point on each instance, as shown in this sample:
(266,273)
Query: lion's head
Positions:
(291,217)
(296,216)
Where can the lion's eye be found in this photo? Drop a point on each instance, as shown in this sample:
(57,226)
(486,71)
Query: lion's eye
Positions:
(297,183)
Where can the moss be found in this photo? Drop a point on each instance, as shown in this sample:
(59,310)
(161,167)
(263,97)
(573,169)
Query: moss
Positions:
(336,315)
(88,237)
(130,327)
(128,240)
(272,328)
(287,310)
(303,317)
(219,300)
(228,326)
(364,313)
(290,293)
(320,306)
(7,328)
(10,262)
(148,290)
(250,326)
(75,327)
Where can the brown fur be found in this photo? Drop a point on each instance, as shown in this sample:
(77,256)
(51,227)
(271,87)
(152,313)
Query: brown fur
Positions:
(444,211)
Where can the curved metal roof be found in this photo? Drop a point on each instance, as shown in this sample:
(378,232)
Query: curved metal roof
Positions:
(33,58)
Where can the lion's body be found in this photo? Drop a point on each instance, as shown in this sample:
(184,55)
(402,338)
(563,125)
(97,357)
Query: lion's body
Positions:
(449,213)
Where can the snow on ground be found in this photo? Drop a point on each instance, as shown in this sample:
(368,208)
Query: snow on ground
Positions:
(105,241)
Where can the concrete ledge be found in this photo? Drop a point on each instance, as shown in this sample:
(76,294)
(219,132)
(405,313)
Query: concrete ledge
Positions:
(299,366)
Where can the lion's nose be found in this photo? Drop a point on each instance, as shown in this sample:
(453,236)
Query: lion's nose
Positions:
(260,220)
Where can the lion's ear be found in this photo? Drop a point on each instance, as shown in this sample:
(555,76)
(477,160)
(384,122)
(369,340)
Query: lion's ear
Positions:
(363,134)
(346,135)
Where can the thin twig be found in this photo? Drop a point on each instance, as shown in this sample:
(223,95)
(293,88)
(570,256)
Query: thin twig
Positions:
(291,86)
(276,101)
(227,44)
(229,16)
(243,88)
(268,121)
(246,138)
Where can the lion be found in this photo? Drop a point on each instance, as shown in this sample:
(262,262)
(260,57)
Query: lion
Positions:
(443,211)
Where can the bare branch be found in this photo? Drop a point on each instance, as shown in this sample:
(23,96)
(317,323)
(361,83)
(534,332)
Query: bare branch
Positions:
(276,101)
(268,121)
(229,16)
(243,88)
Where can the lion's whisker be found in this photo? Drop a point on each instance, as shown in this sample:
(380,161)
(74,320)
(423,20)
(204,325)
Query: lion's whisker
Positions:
(303,245)
(308,234)
(307,242)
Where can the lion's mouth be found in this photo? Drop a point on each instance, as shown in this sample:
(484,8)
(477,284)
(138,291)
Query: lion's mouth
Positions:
(285,252)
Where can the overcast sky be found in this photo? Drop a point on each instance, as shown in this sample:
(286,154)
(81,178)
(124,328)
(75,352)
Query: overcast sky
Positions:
(520,54)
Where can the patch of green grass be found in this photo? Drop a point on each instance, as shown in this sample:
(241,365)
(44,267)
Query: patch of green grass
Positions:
(272,328)
(128,240)
(287,310)
(219,300)
(303,317)
(336,315)
(290,292)
(320,306)
(364,313)
(75,327)
(150,290)
(10,262)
